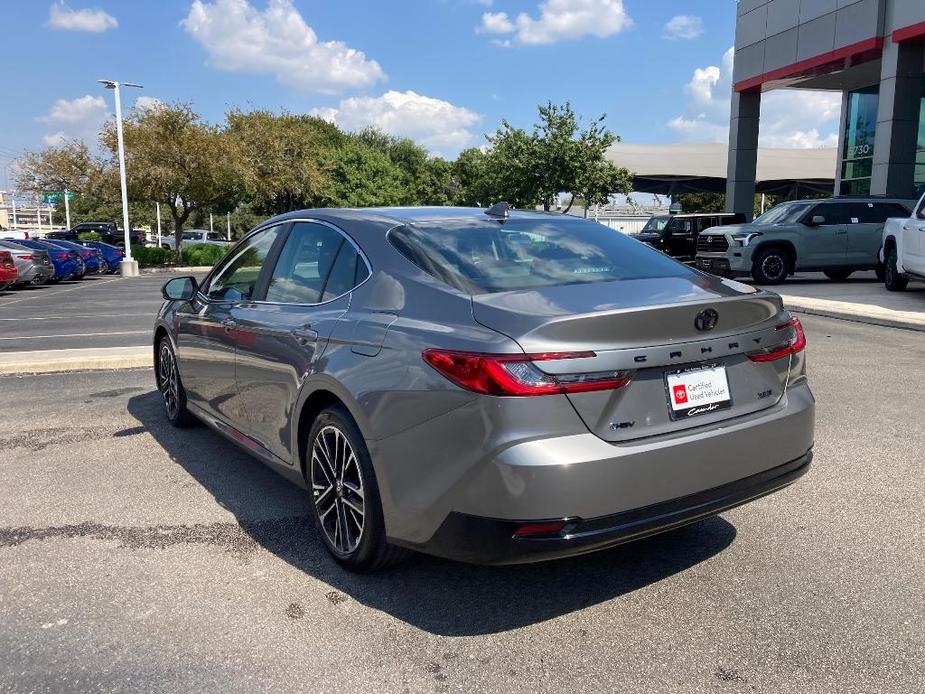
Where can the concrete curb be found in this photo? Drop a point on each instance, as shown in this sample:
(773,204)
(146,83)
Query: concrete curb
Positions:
(857,313)
(55,360)
(186,269)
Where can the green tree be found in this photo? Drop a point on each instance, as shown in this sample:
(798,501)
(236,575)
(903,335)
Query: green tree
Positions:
(175,158)
(364,177)
(701,202)
(284,161)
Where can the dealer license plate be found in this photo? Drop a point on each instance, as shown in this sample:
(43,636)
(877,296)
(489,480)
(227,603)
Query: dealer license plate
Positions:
(697,391)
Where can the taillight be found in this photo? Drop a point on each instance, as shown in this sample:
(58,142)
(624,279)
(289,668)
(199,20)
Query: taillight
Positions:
(27,256)
(539,529)
(517,374)
(61,256)
(797,343)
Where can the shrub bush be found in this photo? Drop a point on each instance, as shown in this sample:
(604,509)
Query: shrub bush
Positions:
(203,253)
(89,236)
(149,257)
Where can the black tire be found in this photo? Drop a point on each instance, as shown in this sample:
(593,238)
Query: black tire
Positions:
(771,266)
(361,546)
(838,275)
(80,276)
(171,387)
(880,271)
(892,280)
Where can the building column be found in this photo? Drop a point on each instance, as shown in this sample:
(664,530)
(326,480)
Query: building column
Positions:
(897,120)
(842,134)
(743,152)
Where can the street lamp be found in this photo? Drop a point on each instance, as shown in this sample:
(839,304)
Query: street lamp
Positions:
(129,266)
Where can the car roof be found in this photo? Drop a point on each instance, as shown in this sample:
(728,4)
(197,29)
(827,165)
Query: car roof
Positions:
(408,215)
(705,214)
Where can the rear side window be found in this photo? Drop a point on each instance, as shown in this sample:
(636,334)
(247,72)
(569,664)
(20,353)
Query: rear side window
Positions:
(485,256)
(873,212)
(317,264)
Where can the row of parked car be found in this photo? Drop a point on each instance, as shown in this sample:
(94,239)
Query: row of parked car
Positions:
(836,236)
(35,261)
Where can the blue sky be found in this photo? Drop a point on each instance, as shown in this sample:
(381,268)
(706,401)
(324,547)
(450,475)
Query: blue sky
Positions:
(441,71)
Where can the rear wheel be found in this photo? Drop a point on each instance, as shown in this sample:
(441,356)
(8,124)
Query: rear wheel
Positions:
(880,271)
(168,382)
(771,266)
(892,280)
(838,275)
(345,497)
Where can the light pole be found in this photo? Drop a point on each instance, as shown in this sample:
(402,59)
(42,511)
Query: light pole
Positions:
(129,265)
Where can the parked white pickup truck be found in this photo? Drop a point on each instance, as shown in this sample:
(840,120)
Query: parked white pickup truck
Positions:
(903,250)
(194,236)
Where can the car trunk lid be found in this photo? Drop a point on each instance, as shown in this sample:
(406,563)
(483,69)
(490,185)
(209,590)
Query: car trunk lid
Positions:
(648,327)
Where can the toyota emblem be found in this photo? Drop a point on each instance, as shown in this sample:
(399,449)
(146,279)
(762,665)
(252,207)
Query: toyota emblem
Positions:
(706,319)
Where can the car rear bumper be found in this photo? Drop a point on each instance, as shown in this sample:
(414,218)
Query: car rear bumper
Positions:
(493,541)
(585,480)
(36,274)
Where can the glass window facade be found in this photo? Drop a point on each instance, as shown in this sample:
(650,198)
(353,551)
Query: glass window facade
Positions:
(860,127)
(919,178)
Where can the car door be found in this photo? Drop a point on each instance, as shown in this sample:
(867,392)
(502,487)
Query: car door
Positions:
(206,341)
(824,244)
(865,231)
(913,231)
(288,328)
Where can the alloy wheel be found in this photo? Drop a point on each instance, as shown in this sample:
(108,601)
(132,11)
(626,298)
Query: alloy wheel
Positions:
(772,266)
(168,381)
(337,489)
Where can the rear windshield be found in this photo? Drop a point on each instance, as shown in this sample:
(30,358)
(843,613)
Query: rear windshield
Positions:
(485,256)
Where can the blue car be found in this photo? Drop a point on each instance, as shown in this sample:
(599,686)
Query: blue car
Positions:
(93,259)
(67,264)
(113,255)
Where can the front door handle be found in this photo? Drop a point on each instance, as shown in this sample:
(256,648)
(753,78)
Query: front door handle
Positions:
(305,334)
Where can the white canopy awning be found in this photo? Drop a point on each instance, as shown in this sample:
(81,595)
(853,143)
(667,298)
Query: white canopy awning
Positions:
(702,167)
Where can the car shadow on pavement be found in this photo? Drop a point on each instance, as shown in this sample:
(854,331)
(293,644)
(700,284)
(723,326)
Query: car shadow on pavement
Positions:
(436,595)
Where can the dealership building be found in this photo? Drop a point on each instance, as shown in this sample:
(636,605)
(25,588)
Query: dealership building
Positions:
(872,51)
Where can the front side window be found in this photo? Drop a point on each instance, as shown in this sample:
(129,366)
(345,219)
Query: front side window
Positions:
(785,213)
(656,223)
(237,280)
(483,256)
(681,226)
(317,264)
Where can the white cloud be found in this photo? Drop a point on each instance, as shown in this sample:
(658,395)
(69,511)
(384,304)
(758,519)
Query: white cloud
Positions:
(277,41)
(54,139)
(683,26)
(60,16)
(560,20)
(795,118)
(496,23)
(147,103)
(436,124)
(75,118)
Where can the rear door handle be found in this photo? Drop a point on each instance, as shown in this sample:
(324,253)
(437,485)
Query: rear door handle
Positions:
(305,334)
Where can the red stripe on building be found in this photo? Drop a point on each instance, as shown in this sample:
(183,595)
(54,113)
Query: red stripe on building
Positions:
(834,60)
(912,32)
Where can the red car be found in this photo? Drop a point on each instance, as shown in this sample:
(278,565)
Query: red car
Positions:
(8,273)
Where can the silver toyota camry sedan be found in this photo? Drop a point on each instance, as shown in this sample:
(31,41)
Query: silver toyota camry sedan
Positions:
(491,386)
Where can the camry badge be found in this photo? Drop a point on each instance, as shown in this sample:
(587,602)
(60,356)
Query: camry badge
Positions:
(706,319)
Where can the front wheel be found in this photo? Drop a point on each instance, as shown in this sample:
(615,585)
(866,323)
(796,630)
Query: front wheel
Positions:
(170,385)
(892,280)
(838,275)
(345,497)
(771,266)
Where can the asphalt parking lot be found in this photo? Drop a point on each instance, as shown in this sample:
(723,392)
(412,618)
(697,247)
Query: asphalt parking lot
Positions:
(136,557)
(100,311)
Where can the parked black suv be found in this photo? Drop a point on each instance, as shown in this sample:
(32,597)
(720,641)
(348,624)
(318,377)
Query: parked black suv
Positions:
(677,234)
(108,231)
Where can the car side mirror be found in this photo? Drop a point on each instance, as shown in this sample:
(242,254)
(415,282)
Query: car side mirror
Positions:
(817,220)
(180,289)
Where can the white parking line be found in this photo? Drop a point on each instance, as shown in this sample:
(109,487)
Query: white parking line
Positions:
(97,283)
(48,337)
(77,315)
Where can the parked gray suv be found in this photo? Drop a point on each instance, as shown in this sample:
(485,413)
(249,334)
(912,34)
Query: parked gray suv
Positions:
(836,236)
(489,386)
